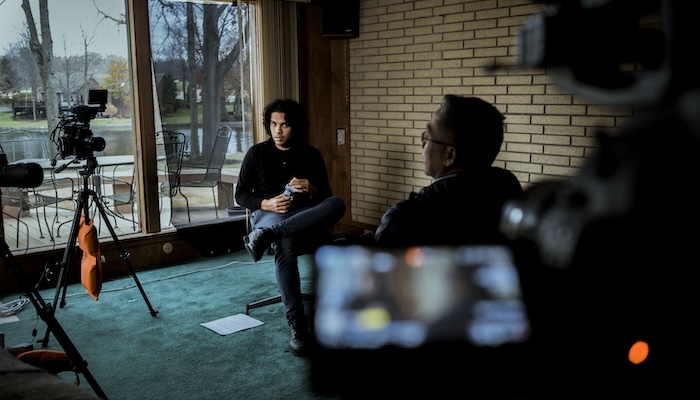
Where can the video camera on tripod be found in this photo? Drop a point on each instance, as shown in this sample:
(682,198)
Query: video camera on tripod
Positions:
(77,138)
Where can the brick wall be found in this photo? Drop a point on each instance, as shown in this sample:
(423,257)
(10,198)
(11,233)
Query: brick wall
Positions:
(411,53)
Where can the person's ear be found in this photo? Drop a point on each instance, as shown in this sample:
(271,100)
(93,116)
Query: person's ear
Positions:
(450,156)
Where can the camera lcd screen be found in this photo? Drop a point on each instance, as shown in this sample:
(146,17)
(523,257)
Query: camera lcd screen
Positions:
(97,97)
(369,298)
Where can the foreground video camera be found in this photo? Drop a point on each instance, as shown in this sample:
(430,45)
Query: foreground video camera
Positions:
(26,175)
(604,259)
(77,138)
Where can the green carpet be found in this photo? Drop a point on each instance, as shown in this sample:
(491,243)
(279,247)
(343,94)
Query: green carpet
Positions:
(133,355)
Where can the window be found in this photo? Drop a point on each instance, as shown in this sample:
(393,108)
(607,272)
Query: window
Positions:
(42,90)
(201,55)
(201,62)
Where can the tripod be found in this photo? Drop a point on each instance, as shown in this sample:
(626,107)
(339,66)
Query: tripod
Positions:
(83,208)
(45,312)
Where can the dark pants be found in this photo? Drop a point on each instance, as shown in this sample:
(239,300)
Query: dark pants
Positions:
(300,232)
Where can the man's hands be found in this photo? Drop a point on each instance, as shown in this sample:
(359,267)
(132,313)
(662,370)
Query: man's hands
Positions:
(302,186)
(280,203)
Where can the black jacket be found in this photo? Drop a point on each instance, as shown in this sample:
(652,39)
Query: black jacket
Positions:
(265,170)
(463,208)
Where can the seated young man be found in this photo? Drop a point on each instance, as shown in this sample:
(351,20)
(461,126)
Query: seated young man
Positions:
(284,182)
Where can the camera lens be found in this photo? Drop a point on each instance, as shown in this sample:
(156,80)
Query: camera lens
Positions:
(27,175)
(94,143)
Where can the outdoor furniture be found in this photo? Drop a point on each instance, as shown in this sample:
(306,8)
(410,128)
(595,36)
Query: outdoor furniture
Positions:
(117,192)
(172,148)
(207,173)
(112,188)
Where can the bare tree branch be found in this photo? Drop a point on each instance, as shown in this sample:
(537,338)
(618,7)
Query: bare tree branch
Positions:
(121,20)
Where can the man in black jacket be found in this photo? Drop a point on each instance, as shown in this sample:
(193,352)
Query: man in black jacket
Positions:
(284,182)
(463,204)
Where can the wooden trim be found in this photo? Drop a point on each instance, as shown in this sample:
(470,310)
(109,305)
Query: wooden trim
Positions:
(144,251)
(325,87)
(144,114)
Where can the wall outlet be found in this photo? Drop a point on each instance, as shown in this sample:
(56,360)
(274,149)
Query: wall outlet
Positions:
(167,248)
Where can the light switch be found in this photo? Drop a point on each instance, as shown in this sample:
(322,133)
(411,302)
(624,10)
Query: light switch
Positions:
(340,136)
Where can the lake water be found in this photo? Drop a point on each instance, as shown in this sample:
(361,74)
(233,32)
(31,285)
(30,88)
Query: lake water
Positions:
(120,139)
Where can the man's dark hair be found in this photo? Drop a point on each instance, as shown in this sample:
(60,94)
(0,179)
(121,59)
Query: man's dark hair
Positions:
(293,114)
(476,127)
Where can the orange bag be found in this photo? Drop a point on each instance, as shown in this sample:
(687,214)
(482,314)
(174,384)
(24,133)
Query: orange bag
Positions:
(91,263)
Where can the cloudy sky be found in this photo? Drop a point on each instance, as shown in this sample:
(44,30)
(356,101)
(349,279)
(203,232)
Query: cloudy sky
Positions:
(69,18)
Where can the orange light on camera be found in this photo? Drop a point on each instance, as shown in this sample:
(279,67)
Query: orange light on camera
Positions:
(638,352)
(414,257)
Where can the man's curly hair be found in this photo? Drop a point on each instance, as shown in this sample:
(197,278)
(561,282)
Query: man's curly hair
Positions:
(293,114)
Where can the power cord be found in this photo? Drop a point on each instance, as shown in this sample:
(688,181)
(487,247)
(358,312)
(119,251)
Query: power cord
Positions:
(144,283)
(7,309)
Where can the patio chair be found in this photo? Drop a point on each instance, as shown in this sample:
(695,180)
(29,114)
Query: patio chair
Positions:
(171,150)
(117,193)
(22,145)
(206,174)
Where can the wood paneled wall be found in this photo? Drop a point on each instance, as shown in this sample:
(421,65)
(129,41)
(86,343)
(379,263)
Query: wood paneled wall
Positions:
(325,94)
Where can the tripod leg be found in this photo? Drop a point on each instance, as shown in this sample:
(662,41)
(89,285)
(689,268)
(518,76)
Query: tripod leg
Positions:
(46,313)
(124,255)
(62,283)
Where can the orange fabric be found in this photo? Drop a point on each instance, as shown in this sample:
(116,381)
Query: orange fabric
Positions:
(50,360)
(91,263)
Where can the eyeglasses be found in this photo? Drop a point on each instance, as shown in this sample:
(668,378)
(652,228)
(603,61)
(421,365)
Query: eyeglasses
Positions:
(425,138)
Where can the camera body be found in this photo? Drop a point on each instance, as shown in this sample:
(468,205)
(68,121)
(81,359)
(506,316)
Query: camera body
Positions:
(77,138)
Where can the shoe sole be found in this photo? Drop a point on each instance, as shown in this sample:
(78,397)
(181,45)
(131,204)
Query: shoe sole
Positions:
(297,352)
(250,251)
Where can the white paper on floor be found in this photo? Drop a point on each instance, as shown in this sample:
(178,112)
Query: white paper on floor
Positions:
(234,323)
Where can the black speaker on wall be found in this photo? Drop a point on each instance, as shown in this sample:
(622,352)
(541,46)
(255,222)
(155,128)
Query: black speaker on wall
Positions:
(341,18)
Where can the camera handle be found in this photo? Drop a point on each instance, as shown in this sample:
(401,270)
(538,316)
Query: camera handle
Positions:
(64,166)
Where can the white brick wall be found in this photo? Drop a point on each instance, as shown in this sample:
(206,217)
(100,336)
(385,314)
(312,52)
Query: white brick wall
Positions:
(411,53)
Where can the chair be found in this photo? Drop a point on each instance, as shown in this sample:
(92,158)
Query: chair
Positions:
(114,184)
(117,193)
(195,174)
(21,145)
(173,147)
(272,299)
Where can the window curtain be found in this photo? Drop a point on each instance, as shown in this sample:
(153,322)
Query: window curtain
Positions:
(277,61)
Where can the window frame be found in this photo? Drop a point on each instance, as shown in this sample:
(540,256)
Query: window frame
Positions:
(145,123)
